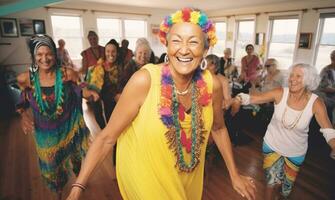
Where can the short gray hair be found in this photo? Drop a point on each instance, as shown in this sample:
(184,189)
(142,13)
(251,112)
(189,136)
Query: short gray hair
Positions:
(143,42)
(311,76)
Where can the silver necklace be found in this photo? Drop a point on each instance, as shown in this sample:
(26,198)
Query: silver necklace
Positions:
(293,124)
(182,93)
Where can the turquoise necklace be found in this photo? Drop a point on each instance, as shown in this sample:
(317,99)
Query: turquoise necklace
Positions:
(44,108)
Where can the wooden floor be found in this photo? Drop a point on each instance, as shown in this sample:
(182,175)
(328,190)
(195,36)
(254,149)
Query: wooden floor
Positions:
(20,176)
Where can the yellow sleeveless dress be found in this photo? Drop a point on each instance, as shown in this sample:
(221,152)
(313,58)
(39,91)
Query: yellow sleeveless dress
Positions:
(145,165)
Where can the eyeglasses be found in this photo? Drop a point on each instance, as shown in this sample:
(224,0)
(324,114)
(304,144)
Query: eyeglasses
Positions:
(268,65)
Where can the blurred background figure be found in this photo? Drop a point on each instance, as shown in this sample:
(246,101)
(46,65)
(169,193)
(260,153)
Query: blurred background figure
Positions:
(227,67)
(91,55)
(250,66)
(125,53)
(63,55)
(273,77)
(326,88)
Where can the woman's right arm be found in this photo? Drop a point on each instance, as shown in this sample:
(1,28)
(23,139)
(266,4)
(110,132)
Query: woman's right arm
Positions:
(274,95)
(125,111)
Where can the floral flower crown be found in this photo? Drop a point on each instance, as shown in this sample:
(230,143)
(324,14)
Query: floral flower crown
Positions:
(188,15)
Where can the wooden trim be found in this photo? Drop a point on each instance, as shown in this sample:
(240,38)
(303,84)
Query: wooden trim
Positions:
(326,7)
(64,8)
(103,11)
(123,13)
(258,13)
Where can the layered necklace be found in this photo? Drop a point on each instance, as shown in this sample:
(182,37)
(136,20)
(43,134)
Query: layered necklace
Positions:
(51,106)
(294,123)
(172,112)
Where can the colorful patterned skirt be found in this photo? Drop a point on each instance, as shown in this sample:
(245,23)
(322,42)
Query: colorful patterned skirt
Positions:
(280,169)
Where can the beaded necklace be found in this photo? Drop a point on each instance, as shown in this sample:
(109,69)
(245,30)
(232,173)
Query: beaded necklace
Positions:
(44,107)
(172,112)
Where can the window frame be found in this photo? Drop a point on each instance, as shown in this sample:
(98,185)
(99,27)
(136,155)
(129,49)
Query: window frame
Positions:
(122,18)
(239,19)
(284,15)
(319,33)
(68,13)
(220,20)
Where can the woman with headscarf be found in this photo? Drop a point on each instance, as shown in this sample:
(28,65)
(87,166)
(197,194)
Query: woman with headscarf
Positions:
(60,132)
(163,119)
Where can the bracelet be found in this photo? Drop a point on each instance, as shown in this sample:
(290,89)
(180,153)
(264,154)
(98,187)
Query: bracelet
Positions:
(81,186)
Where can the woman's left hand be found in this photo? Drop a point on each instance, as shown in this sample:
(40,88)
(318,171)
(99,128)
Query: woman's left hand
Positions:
(90,95)
(332,154)
(245,186)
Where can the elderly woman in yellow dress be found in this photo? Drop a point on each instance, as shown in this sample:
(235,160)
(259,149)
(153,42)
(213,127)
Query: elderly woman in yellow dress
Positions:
(286,139)
(163,119)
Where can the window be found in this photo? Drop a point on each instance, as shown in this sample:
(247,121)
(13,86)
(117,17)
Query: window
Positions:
(245,35)
(326,40)
(109,28)
(112,28)
(283,36)
(69,29)
(221,30)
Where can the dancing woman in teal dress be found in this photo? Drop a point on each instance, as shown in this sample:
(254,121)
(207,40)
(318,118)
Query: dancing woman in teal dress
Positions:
(60,133)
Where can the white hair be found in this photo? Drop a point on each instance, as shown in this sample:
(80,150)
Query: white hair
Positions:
(143,42)
(311,76)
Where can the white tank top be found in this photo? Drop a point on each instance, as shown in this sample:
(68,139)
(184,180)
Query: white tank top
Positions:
(289,142)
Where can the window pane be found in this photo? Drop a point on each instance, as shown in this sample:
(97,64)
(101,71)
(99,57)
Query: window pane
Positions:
(134,29)
(283,39)
(283,53)
(69,29)
(284,31)
(328,35)
(221,30)
(244,37)
(108,29)
(323,57)
(246,31)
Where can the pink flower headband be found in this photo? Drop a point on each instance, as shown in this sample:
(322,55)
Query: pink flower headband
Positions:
(188,15)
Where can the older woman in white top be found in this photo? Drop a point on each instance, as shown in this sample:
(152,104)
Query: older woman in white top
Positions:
(286,139)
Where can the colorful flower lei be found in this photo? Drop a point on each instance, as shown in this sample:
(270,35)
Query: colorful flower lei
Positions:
(172,112)
(188,15)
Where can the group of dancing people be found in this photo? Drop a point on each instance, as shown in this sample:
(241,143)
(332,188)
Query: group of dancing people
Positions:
(161,116)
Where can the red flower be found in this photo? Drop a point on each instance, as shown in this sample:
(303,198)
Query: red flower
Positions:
(186,14)
(205,99)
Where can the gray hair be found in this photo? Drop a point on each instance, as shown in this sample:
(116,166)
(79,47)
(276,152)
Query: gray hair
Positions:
(273,61)
(311,76)
(143,42)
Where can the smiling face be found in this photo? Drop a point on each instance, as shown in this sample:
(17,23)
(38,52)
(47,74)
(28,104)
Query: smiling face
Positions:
(250,50)
(142,55)
(296,79)
(93,40)
(45,58)
(110,53)
(185,47)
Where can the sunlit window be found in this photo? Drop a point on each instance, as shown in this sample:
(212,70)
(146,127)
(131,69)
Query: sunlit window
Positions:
(283,40)
(134,29)
(221,31)
(111,28)
(245,35)
(69,29)
(326,42)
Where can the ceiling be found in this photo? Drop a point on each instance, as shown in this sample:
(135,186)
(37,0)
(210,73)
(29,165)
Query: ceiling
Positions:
(202,4)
